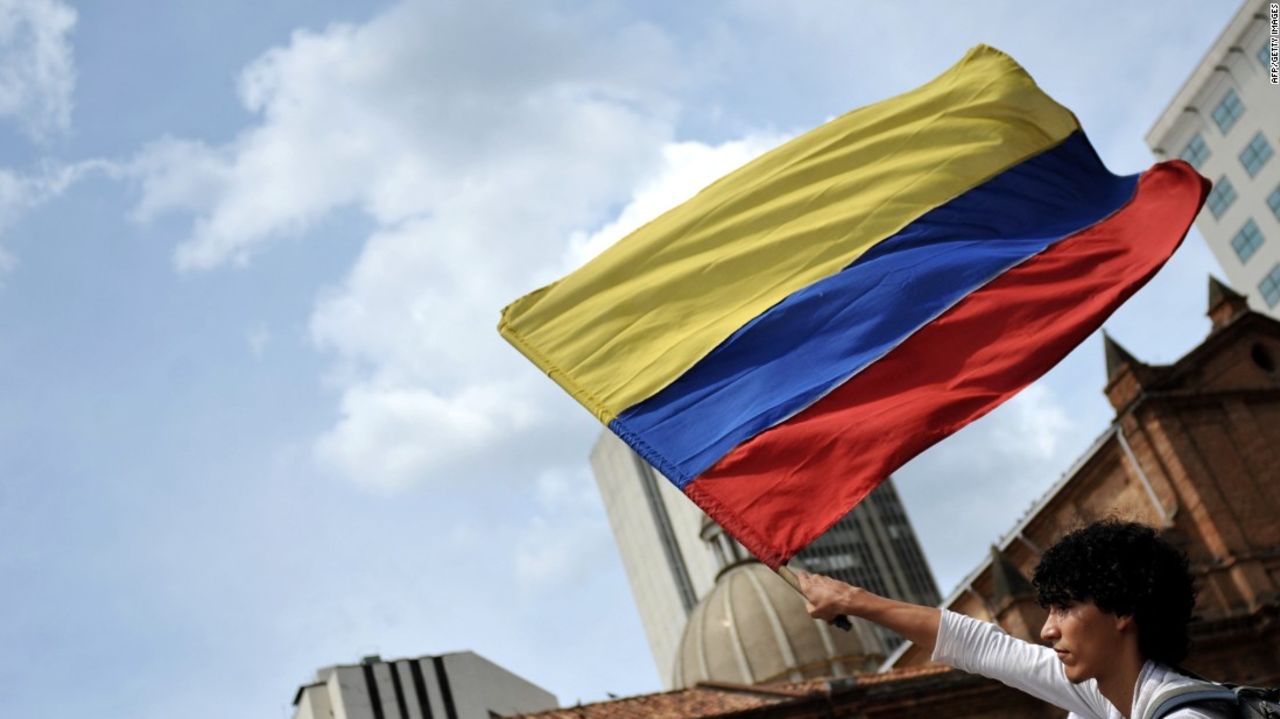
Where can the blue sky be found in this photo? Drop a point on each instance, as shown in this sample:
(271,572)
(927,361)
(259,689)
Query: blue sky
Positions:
(254,415)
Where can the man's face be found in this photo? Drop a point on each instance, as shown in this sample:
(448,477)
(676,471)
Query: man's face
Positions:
(1086,638)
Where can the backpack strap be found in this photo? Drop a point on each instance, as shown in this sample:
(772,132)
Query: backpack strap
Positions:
(1197,693)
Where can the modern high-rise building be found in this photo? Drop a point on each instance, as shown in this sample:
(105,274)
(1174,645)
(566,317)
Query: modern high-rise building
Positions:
(1224,122)
(463,685)
(672,561)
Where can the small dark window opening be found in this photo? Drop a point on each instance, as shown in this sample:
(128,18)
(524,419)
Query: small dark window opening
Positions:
(1262,358)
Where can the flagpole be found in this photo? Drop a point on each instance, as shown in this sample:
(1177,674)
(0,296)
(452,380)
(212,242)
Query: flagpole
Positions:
(790,578)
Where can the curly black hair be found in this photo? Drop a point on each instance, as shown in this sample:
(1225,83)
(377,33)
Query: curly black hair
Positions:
(1127,569)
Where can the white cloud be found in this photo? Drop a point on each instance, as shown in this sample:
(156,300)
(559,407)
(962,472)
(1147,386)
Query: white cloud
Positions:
(415,318)
(568,536)
(1037,424)
(394,435)
(37,65)
(426,105)
(688,167)
(478,139)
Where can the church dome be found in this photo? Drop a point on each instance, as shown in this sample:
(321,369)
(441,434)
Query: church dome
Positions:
(752,628)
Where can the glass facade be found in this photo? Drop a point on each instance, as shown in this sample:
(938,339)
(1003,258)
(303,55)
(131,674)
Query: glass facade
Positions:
(1247,241)
(1221,196)
(1196,151)
(1273,201)
(1229,110)
(1255,154)
(1270,287)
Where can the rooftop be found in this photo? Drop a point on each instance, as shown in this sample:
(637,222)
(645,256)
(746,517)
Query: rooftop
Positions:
(716,699)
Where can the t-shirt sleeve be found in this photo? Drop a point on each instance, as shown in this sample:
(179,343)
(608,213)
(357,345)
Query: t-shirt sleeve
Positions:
(983,648)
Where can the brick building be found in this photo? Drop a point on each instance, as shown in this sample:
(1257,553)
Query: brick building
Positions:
(1194,449)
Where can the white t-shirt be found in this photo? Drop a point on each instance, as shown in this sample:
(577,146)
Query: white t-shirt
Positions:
(983,648)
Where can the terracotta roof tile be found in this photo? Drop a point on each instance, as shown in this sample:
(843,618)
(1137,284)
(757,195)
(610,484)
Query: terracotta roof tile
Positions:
(711,699)
(904,673)
(704,700)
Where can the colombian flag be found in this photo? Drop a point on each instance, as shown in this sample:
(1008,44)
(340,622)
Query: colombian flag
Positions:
(783,341)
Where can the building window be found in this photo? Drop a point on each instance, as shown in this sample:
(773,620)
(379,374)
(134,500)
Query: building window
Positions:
(1264,55)
(1273,201)
(842,560)
(1196,152)
(1228,111)
(1247,241)
(1255,154)
(1270,286)
(1221,196)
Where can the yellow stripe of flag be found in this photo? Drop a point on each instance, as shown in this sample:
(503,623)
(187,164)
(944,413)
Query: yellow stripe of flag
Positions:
(632,320)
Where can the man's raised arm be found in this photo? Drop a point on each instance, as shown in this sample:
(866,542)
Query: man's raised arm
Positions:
(829,598)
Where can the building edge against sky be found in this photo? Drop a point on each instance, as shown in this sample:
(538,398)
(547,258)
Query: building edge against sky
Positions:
(1218,122)
(659,533)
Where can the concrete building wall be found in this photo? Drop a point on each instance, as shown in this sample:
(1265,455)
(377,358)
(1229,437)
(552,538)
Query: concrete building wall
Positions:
(687,519)
(333,694)
(463,685)
(477,692)
(1233,64)
(415,706)
(656,539)
(313,703)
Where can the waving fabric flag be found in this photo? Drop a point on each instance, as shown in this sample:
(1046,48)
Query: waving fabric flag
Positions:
(783,341)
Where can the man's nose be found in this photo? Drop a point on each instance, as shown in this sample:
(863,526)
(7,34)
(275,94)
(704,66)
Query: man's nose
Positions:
(1049,631)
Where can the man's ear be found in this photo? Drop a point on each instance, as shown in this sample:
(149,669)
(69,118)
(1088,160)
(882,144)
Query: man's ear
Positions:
(1125,623)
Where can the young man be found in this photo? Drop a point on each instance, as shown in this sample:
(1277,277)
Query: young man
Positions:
(1119,600)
